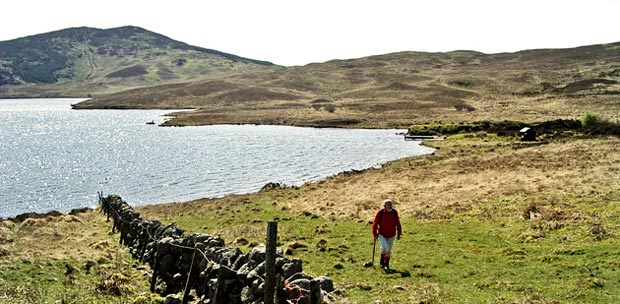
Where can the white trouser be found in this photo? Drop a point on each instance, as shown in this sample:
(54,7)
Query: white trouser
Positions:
(386,245)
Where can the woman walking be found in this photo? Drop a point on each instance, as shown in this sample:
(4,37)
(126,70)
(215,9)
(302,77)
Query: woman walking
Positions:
(386,227)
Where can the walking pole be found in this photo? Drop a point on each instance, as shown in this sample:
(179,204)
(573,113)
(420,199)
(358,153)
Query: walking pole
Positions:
(374,246)
(372,262)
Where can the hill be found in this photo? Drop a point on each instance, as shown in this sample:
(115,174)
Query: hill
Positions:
(400,89)
(82,61)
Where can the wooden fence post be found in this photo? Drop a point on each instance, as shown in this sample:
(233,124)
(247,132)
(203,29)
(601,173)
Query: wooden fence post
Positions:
(121,228)
(189,278)
(155,269)
(105,206)
(270,262)
(315,292)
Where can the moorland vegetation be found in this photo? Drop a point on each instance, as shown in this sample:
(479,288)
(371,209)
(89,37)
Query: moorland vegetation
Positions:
(399,90)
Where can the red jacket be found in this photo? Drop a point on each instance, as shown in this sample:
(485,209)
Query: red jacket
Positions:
(386,223)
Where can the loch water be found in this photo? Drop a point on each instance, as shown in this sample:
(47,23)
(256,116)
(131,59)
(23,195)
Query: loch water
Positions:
(56,158)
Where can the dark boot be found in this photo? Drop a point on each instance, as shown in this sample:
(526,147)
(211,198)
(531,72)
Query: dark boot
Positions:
(382,261)
(387,263)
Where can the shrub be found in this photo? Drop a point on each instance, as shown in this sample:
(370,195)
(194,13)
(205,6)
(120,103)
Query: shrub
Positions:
(330,108)
(591,120)
(594,125)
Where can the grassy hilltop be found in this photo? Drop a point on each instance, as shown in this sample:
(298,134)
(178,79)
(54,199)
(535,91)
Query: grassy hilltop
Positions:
(80,62)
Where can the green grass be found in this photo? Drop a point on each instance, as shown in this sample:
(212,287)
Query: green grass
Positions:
(474,257)
(82,66)
(45,281)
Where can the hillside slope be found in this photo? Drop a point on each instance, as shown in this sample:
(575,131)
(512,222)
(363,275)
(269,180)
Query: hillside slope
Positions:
(82,61)
(400,89)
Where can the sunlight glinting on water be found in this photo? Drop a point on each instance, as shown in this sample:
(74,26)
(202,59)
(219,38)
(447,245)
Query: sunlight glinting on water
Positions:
(55,158)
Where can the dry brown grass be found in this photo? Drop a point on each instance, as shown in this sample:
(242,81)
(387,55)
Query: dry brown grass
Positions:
(457,178)
(60,237)
(69,259)
(478,176)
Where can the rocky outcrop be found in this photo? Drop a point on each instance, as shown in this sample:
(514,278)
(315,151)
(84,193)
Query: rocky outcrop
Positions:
(202,267)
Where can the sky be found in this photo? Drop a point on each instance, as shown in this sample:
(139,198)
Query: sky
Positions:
(299,32)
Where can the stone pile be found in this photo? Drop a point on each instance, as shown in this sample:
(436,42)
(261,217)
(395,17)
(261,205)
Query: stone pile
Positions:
(201,267)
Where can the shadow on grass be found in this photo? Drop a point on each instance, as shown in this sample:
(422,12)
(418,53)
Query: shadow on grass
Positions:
(401,273)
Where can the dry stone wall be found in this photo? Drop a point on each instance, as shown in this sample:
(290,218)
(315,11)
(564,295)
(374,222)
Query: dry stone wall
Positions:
(201,267)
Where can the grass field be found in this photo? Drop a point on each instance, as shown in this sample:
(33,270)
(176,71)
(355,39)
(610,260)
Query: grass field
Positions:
(486,220)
